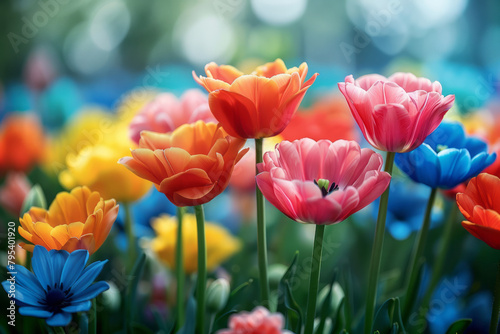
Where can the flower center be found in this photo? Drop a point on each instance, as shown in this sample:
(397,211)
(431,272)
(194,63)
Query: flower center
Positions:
(57,298)
(441,148)
(325,187)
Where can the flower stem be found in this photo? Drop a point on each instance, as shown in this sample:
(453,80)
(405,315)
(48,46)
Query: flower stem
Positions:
(58,330)
(261,232)
(202,270)
(129,230)
(441,255)
(179,269)
(411,292)
(93,318)
(496,304)
(314,280)
(378,243)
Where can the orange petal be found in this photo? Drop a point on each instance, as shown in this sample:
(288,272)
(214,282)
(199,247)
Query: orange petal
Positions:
(236,113)
(226,73)
(191,184)
(43,231)
(27,247)
(490,236)
(271,69)
(60,234)
(85,242)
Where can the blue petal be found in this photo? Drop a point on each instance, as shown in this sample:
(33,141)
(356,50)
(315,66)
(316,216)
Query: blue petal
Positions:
(42,266)
(78,307)
(58,258)
(455,164)
(450,134)
(91,292)
(74,267)
(475,146)
(480,162)
(402,160)
(22,294)
(88,276)
(427,167)
(59,319)
(38,312)
(27,279)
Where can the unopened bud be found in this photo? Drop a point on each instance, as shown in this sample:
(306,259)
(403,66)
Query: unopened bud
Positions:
(217,295)
(36,198)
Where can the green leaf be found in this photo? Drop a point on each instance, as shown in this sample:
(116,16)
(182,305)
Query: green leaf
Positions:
(132,289)
(294,313)
(286,303)
(388,315)
(36,198)
(138,328)
(327,305)
(339,321)
(459,326)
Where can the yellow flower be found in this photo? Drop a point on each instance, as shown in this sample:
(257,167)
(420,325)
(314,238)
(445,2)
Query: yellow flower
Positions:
(220,243)
(96,167)
(88,128)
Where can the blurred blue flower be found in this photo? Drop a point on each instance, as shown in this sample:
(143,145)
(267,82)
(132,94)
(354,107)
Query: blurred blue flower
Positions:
(449,299)
(446,158)
(406,208)
(60,285)
(59,102)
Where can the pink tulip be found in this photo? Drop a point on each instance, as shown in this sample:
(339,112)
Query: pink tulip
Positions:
(13,192)
(321,182)
(259,321)
(395,114)
(166,113)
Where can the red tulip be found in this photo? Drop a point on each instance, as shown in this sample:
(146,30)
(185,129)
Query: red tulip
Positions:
(259,321)
(480,205)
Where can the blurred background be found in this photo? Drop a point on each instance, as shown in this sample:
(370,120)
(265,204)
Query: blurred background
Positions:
(59,54)
(63,60)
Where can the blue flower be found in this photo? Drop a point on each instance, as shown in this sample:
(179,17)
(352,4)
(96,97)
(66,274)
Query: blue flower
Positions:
(406,208)
(60,285)
(446,158)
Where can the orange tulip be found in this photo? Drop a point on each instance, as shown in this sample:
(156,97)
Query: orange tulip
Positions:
(22,143)
(257,105)
(190,165)
(480,206)
(78,220)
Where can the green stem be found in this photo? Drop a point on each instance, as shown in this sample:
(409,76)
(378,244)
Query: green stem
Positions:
(179,269)
(314,280)
(378,243)
(58,330)
(418,251)
(129,230)
(93,318)
(441,255)
(261,232)
(496,305)
(202,270)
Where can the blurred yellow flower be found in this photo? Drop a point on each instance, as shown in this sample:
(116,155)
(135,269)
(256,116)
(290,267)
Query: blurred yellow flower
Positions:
(220,243)
(88,128)
(96,166)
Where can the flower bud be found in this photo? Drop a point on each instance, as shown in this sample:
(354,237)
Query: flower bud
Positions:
(36,198)
(217,295)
